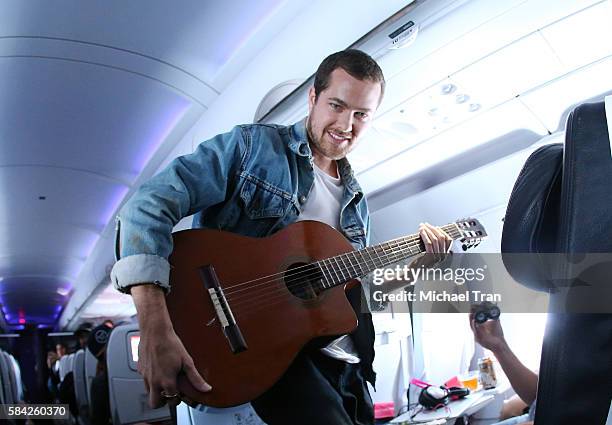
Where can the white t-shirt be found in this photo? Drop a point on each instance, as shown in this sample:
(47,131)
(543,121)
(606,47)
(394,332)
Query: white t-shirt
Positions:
(323,204)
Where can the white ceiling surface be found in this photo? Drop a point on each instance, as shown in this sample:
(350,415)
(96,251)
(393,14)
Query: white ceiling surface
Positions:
(524,63)
(294,46)
(558,56)
(93,99)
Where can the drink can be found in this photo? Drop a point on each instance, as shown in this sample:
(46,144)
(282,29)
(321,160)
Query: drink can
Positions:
(486,373)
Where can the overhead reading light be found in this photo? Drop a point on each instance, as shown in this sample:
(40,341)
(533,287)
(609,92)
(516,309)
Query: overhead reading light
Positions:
(421,117)
(489,125)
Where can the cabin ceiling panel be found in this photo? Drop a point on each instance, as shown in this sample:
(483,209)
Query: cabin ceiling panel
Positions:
(91,198)
(552,102)
(41,239)
(502,51)
(61,267)
(582,38)
(40,303)
(497,123)
(109,58)
(199,38)
(80,116)
(477,29)
(511,71)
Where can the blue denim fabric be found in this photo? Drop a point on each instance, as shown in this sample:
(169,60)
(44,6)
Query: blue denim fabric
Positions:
(251,181)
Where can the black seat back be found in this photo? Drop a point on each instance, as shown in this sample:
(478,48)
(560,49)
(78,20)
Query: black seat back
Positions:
(562,203)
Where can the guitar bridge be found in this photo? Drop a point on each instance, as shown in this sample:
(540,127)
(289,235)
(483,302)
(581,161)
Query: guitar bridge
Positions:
(222,309)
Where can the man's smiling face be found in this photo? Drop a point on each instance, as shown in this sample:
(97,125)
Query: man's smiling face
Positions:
(341,114)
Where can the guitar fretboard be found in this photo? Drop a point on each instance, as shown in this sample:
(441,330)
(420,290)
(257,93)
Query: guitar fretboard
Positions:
(342,268)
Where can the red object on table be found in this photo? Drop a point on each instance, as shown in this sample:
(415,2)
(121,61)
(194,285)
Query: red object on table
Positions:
(384,410)
(453,382)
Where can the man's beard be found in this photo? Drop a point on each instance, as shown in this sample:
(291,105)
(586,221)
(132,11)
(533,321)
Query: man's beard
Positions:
(317,144)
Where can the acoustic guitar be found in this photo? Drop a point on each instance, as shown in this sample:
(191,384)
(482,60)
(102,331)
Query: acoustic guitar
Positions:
(245,307)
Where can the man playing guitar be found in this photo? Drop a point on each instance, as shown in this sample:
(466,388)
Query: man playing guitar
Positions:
(255,181)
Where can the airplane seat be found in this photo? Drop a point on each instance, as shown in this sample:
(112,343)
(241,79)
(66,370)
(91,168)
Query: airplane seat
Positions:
(129,399)
(2,380)
(6,379)
(205,415)
(128,396)
(562,203)
(91,364)
(19,382)
(12,377)
(66,364)
(80,383)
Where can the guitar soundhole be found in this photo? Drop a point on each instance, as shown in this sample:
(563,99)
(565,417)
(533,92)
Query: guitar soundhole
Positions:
(304,280)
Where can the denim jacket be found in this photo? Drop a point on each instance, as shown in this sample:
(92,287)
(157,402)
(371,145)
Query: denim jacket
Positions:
(252,181)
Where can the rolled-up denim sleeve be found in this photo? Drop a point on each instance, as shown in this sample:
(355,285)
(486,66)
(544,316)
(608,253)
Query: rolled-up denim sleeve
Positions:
(189,184)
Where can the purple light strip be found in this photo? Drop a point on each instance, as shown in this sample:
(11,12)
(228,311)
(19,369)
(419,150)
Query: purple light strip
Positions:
(161,132)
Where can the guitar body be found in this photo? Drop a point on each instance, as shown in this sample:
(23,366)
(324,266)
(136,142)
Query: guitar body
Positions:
(275,322)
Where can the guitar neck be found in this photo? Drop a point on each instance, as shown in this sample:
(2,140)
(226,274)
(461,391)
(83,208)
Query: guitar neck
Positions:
(355,264)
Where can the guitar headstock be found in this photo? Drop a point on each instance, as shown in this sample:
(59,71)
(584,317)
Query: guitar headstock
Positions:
(472,232)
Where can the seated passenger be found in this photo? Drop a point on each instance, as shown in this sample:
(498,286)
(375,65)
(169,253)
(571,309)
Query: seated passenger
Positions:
(53,381)
(100,402)
(82,334)
(524,381)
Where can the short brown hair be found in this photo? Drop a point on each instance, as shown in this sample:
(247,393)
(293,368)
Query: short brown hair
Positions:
(356,63)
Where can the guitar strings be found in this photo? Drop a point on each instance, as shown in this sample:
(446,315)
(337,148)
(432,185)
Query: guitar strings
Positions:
(409,239)
(269,292)
(314,270)
(277,296)
(266,298)
(413,240)
(319,274)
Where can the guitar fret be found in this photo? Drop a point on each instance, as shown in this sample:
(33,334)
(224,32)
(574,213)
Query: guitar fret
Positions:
(367,250)
(340,269)
(384,248)
(347,268)
(395,253)
(344,267)
(336,269)
(360,273)
(329,271)
(377,251)
(356,273)
(324,275)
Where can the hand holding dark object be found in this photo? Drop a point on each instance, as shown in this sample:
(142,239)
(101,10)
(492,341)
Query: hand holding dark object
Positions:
(488,334)
(485,311)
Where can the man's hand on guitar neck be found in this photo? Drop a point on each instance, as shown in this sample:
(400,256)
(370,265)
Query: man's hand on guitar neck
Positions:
(436,240)
(437,245)
(161,354)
